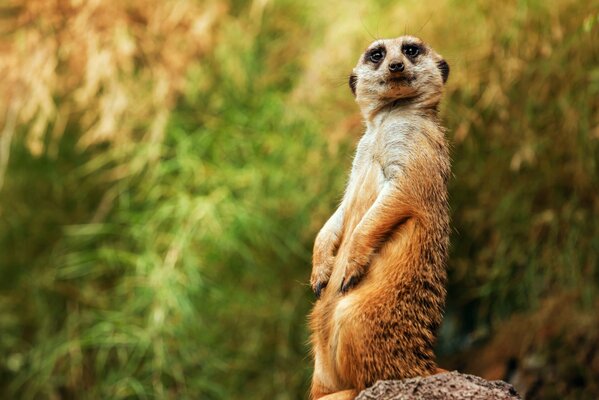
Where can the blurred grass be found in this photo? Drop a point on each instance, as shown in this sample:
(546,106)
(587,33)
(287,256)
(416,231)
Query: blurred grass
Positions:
(167,255)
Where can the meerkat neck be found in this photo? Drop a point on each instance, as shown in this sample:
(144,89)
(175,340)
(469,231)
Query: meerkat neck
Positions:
(407,105)
(400,109)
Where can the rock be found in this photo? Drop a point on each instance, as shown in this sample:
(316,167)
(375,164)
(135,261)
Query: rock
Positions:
(445,386)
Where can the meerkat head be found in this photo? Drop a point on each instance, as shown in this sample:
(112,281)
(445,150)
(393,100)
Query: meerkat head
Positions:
(398,71)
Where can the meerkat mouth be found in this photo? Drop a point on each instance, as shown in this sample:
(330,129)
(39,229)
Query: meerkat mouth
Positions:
(401,79)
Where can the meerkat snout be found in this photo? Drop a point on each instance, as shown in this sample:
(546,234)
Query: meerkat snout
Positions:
(396,66)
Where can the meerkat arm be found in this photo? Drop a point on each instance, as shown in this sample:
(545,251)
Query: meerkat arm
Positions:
(325,246)
(388,211)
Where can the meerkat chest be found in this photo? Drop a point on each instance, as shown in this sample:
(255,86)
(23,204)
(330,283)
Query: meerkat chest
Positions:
(366,176)
(387,148)
(367,160)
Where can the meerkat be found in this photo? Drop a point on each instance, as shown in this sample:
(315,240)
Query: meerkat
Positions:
(379,261)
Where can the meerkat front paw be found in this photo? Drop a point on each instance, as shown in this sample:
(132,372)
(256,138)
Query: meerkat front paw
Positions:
(323,258)
(354,271)
(320,277)
(319,282)
(321,273)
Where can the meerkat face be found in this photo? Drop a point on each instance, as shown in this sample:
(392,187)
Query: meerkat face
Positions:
(401,68)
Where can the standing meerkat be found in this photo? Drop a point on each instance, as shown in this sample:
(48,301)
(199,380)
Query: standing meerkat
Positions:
(379,261)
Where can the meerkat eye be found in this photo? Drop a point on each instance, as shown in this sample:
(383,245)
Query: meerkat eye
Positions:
(410,50)
(376,56)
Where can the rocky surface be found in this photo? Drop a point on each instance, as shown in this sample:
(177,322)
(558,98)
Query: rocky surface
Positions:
(445,386)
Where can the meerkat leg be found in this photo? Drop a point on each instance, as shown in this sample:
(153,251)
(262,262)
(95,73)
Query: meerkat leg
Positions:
(325,248)
(369,349)
(320,392)
(323,383)
(344,395)
(389,210)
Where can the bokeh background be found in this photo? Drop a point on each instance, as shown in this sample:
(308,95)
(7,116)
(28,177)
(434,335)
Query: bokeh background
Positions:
(165,167)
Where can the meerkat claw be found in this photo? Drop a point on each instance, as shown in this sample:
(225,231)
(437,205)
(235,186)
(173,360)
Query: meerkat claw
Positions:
(318,288)
(347,284)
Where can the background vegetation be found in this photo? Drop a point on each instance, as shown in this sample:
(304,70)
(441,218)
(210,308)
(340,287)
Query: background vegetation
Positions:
(165,166)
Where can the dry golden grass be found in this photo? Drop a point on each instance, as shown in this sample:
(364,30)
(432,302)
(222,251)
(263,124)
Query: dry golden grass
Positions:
(112,69)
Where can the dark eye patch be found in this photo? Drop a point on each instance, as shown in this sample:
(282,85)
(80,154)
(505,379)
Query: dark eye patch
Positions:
(376,55)
(411,50)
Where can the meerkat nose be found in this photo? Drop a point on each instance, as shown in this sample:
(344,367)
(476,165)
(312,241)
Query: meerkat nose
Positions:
(396,67)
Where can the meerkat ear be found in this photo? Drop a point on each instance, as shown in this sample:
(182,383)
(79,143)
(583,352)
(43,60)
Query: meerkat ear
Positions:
(444,68)
(353,81)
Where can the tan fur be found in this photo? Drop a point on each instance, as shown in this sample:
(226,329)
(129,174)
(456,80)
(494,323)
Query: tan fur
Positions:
(380,259)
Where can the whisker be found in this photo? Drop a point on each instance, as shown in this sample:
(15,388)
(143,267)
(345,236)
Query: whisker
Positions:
(367,30)
(426,23)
